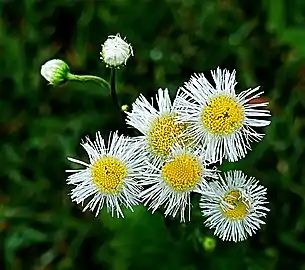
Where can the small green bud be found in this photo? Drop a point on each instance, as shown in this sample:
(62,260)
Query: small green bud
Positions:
(125,108)
(208,243)
(55,71)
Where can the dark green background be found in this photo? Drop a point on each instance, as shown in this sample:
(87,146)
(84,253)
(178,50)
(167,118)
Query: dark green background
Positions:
(40,126)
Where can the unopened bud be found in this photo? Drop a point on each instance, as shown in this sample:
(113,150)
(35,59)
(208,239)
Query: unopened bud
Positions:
(208,243)
(115,51)
(125,108)
(55,71)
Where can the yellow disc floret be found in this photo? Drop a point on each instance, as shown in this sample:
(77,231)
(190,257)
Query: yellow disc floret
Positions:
(223,115)
(182,173)
(108,174)
(239,210)
(164,132)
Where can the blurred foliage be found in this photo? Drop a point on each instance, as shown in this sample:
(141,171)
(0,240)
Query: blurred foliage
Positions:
(40,126)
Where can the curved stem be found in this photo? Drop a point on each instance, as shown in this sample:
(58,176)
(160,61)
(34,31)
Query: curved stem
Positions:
(86,78)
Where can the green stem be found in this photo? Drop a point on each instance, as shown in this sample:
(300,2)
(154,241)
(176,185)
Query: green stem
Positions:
(115,97)
(86,78)
(113,88)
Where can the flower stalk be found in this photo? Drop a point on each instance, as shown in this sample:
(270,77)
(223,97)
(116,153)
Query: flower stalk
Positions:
(113,88)
(85,78)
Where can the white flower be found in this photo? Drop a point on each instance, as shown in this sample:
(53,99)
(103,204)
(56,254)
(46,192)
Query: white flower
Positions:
(115,51)
(234,206)
(55,71)
(159,127)
(171,184)
(111,177)
(221,120)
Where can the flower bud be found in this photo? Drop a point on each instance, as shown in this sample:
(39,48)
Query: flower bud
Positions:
(125,108)
(208,243)
(115,51)
(55,71)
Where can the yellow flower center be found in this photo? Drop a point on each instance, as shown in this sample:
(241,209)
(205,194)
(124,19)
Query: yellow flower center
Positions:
(164,132)
(108,174)
(239,210)
(223,115)
(182,173)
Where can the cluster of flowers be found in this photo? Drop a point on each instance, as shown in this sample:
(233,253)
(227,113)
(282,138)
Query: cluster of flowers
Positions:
(176,154)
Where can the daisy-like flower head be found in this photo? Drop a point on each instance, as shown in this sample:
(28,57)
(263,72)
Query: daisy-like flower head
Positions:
(221,120)
(171,184)
(111,177)
(159,127)
(115,51)
(234,206)
(55,71)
